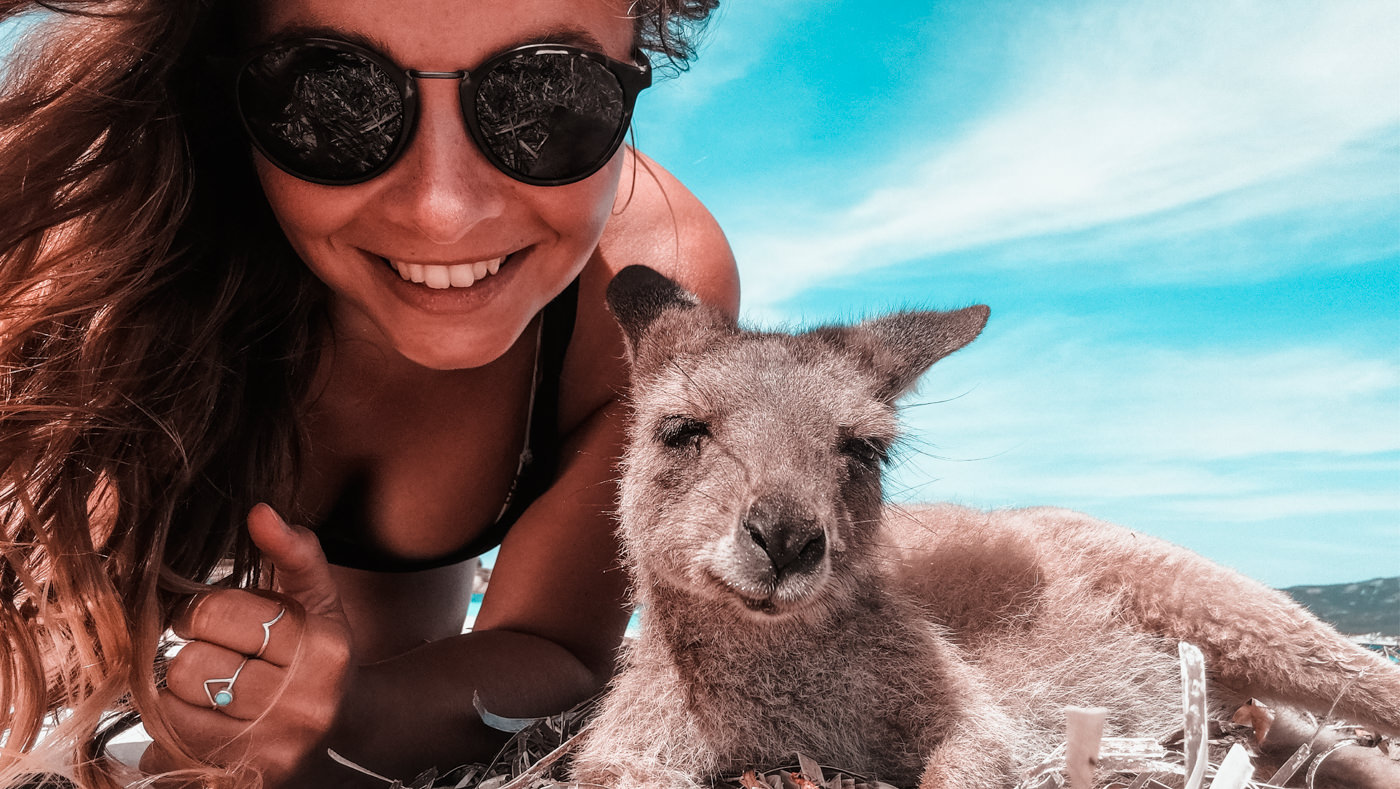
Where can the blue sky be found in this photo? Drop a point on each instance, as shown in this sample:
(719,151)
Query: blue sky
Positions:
(1185,217)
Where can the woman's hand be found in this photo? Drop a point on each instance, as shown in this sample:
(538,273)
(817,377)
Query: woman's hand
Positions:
(263,674)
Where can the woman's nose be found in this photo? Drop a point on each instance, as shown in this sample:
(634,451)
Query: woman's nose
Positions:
(446,186)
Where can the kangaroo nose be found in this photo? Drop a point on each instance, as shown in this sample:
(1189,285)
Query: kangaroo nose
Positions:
(793,545)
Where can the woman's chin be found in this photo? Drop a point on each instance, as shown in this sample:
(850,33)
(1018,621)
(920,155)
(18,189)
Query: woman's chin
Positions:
(458,351)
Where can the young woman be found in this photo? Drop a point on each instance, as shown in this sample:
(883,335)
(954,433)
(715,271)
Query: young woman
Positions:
(337,263)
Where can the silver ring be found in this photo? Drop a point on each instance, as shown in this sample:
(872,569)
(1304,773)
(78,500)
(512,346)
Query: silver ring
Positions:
(223,696)
(267,632)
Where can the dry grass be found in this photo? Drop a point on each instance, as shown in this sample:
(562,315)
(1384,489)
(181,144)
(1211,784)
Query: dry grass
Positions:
(537,757)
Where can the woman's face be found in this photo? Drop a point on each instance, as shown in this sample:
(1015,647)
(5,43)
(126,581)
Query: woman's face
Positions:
(442,204)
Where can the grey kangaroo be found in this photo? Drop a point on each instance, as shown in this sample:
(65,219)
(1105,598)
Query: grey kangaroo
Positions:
(787,609)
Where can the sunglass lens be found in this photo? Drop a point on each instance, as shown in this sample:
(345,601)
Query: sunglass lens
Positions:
(322,113)
(550,116)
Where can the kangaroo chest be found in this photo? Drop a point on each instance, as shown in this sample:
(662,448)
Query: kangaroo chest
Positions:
(847,697)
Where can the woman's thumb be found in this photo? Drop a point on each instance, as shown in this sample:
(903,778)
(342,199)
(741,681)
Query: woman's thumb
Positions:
(300,570)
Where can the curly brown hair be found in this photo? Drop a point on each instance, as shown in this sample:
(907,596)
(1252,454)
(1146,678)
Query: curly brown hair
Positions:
(158,336)
(671,27)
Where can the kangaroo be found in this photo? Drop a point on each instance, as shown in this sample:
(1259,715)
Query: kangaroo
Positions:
(785,608)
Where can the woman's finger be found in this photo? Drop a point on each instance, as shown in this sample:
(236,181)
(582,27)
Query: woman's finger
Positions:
(219,739)
(204,733)
(300,567)
(224,682)
(244,622)
(202,730)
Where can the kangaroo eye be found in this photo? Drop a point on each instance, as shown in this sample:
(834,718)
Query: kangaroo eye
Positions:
(868,452)
(682,431)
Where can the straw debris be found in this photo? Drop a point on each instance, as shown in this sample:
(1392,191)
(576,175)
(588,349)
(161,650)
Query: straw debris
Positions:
(537,757)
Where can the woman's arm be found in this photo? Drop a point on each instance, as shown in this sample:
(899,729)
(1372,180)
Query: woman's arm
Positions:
(543,641)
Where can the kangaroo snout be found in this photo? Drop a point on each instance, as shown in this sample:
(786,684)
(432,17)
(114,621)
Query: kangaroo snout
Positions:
(790,541)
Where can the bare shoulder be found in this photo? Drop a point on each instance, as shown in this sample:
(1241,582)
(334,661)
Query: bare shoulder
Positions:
(659,223)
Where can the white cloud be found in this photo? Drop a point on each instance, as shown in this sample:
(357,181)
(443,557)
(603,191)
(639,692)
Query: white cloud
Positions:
(1133,402)
(1284,505)
(1038,477)
(1178,491)
(1220,434)
(1126,112)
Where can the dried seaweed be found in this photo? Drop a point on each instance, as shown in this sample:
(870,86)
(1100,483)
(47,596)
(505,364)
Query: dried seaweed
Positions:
(537,757)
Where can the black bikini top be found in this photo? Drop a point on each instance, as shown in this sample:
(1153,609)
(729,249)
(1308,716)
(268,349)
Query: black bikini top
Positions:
(351,543)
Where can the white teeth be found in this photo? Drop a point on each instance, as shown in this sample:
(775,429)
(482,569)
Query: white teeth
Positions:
(460,275)
(463,275)
(436,277)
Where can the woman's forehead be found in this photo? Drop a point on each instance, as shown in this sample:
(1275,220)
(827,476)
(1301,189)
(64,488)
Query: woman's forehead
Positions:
(453,34)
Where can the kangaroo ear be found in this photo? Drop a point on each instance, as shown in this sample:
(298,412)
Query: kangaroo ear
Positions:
(638,295)
(660,317)
(901,347)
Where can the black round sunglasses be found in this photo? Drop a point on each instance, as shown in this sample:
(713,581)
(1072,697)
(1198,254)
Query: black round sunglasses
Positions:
(335,112)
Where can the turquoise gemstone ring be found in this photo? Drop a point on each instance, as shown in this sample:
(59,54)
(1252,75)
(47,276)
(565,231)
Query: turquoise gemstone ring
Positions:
(224,695)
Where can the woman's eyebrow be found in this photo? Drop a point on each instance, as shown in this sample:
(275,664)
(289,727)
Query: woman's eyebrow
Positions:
(569,36)
(322,31)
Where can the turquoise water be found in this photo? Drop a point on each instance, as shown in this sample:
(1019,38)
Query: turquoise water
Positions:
(475,605)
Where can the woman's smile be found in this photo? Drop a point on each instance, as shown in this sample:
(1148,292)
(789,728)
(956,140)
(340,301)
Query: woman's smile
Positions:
(446,287)
(447,275)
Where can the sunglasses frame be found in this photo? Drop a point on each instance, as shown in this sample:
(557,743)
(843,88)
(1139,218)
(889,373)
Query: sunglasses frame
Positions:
(631,78)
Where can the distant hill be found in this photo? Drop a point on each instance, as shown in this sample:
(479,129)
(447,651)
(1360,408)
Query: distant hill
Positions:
(1355,609)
